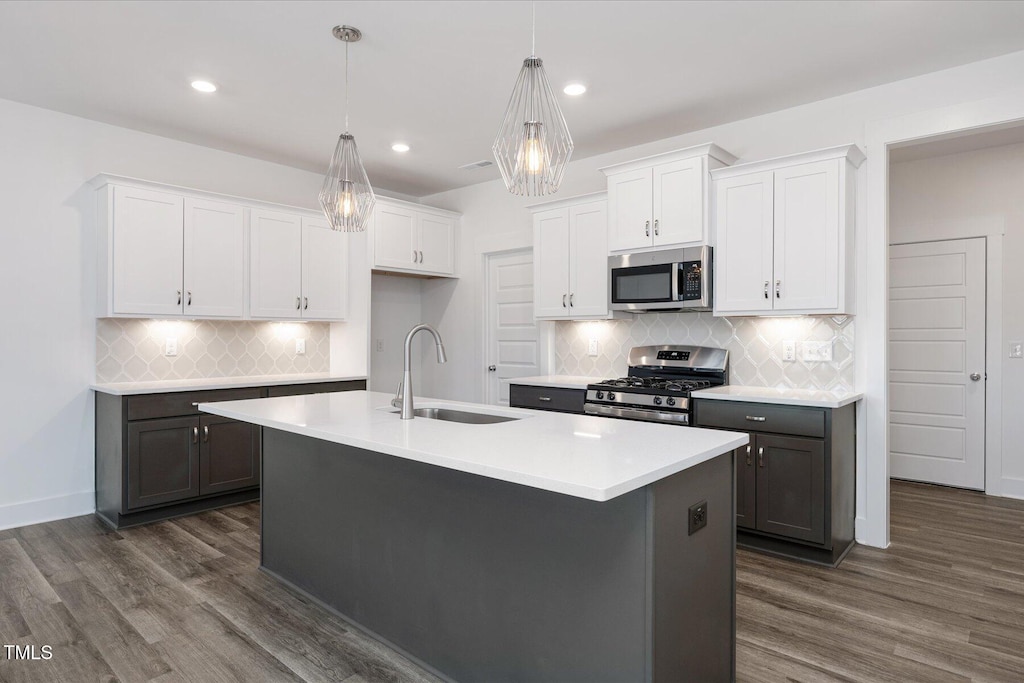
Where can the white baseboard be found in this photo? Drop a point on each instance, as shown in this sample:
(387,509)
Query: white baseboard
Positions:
(861,535)
(47,509)
(1010,487)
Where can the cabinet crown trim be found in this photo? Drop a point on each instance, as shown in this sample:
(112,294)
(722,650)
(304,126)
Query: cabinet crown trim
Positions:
(569,201)
(709,149)
(851,152)
(425,208)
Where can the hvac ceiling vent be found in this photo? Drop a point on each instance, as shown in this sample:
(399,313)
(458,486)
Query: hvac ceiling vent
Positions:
(477,164)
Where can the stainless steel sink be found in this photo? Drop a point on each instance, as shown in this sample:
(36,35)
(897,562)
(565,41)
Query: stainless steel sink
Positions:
(450,415)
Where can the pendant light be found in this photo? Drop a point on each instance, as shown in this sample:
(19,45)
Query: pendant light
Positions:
(533,144)
(346,197)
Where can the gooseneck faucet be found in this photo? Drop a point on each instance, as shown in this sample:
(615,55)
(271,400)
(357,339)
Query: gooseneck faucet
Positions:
(403,399)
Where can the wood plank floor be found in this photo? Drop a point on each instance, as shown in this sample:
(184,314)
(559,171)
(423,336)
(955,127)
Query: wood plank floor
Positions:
(184,601)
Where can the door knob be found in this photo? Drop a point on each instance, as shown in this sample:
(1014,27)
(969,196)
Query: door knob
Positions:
(492,368)
(975,377)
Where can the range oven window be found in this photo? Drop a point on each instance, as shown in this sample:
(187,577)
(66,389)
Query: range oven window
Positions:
(642,284)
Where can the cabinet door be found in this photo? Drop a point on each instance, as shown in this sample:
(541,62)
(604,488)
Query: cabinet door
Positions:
(807,237)
(551,264)
(275,265)
(325,271)
(588,260)
(148,252)
(629,210)
(746,485)
(436,243)
(394,237)
(743,257)
(679,202)
(163,461)
(229,455)
(791,487)
(214,259)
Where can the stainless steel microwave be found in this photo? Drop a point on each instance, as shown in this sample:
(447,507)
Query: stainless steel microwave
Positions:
(673,279)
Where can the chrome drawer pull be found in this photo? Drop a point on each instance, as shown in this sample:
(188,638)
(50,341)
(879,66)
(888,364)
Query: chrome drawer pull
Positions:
(543,398)
(755,418)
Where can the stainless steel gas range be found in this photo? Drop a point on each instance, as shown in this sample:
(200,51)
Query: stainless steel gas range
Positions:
(658,384)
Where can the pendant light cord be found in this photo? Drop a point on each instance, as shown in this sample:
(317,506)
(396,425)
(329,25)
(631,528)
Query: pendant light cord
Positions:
(533,46)
(346,87)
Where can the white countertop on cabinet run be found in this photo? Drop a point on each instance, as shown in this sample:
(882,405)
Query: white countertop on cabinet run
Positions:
(579,455)
(812,398)
(557,381)
(170,385)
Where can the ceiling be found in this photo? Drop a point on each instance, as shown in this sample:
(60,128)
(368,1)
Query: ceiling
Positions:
(438,75)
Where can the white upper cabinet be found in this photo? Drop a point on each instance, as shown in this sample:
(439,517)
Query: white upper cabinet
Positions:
(408,238)
(662,201)
(785,231)
(570,258)
(275,265)
(325,271)
(214,264)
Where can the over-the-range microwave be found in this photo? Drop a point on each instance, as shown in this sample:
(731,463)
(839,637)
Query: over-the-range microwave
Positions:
(673,279)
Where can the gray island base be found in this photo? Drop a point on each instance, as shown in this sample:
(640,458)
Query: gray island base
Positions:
(479,579)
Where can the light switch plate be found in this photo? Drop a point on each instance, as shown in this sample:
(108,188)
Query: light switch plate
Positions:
(789,350)
(300,346)
(592,348)
(171,346)
(1016,350)
(816,351)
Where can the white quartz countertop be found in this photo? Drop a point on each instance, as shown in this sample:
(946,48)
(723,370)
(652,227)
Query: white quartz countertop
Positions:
(794,397)
(590,457)
(557,381)
(166,386)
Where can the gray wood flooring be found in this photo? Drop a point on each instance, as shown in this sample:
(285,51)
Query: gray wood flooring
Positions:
(184,601)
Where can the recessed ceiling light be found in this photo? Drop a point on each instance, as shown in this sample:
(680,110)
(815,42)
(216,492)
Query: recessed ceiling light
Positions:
(204,86)
(575,89)
(400,147)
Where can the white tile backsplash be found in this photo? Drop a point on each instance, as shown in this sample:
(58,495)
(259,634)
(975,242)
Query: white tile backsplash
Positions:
(132,350)
(754,344)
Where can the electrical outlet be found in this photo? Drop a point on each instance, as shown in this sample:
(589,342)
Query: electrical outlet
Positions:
(698,517)
(380,345)
(171,346)
(300,346)
(816,351)
(592,348)
(1016,350)
(789,350)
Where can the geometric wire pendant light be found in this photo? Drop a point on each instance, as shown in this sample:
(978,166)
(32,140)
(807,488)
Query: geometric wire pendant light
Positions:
(533,145)
(346,196)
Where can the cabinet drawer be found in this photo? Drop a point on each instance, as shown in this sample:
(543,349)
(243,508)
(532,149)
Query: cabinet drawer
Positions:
(316,388)
(760,417)
(177,404)
(546,398)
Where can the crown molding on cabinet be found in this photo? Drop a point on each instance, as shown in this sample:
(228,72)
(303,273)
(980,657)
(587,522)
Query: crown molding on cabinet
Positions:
(853,154)
(569,201)
(709,149)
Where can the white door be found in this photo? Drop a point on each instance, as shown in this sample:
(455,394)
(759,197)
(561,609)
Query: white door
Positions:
(393,237)
(436,243)
(743,257)
(588,260)
(551,264)
(629,210)
(513,341)
(679,202)
(147,252)
(807,237)
(325,271)
(275,265)
(937,362)
(214,259)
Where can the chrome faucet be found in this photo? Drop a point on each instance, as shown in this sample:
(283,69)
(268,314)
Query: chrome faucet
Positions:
(403,399)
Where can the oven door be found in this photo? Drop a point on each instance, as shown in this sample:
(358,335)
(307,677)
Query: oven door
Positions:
(642,288)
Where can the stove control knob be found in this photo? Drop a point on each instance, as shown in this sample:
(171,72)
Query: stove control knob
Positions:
(600,395)
(670,401)
(657,400)
(611,395)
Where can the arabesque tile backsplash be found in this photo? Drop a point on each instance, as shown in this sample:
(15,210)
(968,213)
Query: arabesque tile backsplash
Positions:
(754,344)
(132,350)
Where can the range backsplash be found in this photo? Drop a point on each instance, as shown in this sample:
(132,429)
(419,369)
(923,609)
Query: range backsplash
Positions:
(131,350)
(754,344)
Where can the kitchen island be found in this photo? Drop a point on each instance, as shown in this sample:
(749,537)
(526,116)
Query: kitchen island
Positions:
(545,546)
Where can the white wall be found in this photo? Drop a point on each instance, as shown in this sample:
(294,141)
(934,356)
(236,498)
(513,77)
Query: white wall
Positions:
(966,195)
(396,308)
(488,210)
(47,271)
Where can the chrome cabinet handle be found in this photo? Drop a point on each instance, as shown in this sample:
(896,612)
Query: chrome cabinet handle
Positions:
(179,297)
(195,435)
(190,298)
(298,303)
(421,257)
(414,256)
(571,299)
(765,289)
(563,301)
(778,287)
(543,398)
(492,368)
(760,457)
(206,433)
(305,303)
(749,463)
(756,418)
(655,226)
(647,228)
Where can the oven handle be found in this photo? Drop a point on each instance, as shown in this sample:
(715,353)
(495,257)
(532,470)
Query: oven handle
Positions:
(636,414)
(675,281)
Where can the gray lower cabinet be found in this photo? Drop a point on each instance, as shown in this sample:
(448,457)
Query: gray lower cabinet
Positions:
(557,399)
(794,480)
(158,457)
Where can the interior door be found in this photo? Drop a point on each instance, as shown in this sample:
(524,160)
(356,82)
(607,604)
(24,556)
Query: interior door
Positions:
(214,259)
(551,264)
(629,210)
(588,260)
(513,339)
(325,271)
(275,265)
(436,243)
(743,259)
(937,362)
(148,252)
(679,202)
(791,487)
(394,237)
